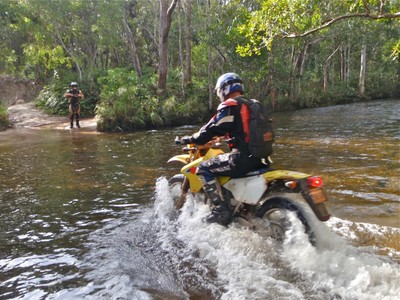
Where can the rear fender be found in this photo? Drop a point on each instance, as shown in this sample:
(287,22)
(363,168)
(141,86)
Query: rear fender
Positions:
(314,196)
(284,174)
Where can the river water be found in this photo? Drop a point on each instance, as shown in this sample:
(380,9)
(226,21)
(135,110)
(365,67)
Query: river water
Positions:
(85,215)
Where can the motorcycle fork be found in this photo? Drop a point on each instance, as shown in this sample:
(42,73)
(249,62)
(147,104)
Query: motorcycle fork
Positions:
(184,189)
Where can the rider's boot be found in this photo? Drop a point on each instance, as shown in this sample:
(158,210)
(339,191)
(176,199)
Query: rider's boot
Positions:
(77,124)
(72,125)
(221,214)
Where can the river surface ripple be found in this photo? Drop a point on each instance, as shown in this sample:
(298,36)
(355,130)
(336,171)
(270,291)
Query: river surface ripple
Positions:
(88,216)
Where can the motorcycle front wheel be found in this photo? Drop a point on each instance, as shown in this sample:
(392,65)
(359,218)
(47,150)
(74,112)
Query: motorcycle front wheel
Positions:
(275,212)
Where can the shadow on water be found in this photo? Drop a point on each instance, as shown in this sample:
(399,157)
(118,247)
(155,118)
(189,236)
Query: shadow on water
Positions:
(77,214)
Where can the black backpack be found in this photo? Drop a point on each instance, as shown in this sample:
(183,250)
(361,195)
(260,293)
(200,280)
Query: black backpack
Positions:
(257,127)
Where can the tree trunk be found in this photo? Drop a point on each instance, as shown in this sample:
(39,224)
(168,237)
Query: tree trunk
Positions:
(348,65)
(209,66)
(363,69)
(345,63)
(132,44)
(292,76)
(326,72)
(70,53)
(181,60)
(326,76)
(303,59)
(297,63)
(188,72)
(165,25)
(272,81)
(342,60)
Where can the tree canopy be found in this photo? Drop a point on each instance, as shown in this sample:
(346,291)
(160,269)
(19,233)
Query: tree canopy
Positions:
(295,53)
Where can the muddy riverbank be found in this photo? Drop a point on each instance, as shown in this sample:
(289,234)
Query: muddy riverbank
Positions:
(26,115)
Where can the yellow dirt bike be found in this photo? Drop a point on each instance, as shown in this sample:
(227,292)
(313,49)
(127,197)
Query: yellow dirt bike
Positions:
(262,200)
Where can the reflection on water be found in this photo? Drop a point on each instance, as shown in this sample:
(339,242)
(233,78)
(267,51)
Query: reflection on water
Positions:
(67,198)
(57,187)
(355,148)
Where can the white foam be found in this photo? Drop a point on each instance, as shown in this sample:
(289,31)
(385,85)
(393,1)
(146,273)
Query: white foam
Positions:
(249,267)
(344,269)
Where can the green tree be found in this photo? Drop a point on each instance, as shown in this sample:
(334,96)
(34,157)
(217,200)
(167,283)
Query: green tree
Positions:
(290,53)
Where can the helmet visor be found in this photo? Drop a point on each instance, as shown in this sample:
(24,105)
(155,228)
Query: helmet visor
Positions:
(218,91)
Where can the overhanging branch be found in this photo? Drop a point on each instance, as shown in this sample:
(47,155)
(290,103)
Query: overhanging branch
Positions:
(334,20)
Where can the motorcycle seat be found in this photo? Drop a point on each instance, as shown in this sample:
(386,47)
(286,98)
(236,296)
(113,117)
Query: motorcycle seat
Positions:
(258,172)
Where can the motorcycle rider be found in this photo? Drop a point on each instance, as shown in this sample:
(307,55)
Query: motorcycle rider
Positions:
(75,97)
(239,161)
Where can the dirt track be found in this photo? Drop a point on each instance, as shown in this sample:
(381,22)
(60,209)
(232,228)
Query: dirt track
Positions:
(28,116)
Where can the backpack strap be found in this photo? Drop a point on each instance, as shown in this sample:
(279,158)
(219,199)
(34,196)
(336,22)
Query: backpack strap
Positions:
(245,116)
(228,102)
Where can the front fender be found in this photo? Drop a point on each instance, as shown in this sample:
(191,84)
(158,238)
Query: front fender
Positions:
(189,169)
(183,158)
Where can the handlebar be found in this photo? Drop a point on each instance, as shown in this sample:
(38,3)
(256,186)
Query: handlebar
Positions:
(215,143)
(178,141)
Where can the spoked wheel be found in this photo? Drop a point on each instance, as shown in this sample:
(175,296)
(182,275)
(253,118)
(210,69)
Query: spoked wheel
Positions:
(177,188)
(274,213)
(277,219)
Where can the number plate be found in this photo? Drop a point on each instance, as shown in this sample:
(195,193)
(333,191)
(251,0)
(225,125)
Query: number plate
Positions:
(317,196)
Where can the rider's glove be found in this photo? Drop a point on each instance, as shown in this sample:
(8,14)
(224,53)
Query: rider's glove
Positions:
(186,140)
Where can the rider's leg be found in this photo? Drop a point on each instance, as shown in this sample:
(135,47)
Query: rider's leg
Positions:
(71,116)
(229,164)
(207,171)
(213,191)
(77,114)
(221,214)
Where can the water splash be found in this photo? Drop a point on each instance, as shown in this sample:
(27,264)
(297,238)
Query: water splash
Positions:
(162,254)
(249,267)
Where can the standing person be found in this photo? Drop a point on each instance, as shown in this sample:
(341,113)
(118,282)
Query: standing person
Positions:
(231,122)
(75,97)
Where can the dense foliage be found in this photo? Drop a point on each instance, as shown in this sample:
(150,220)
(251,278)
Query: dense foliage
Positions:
(52,101)
(4,121)
(129,102)
(292,54)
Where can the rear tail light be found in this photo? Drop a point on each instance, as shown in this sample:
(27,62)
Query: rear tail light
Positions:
(314,181)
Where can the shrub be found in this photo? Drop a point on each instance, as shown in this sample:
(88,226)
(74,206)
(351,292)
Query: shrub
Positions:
(52,101)
(4,120)
(129,102)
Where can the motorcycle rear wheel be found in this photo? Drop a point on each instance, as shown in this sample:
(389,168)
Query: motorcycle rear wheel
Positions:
(275,211)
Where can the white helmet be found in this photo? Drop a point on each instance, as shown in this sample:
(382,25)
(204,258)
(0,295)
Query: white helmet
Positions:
(227,84)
